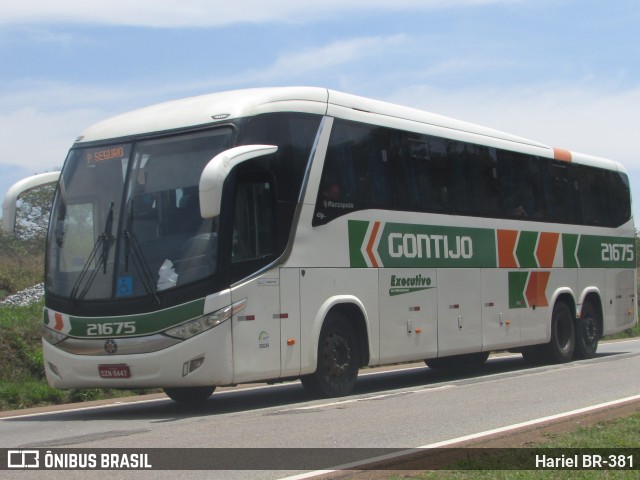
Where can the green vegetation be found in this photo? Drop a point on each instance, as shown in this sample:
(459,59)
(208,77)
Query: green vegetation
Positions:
(21,265)
(614,434)
(22,380)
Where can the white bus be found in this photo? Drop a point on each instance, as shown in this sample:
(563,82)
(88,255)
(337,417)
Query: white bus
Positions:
(283,233)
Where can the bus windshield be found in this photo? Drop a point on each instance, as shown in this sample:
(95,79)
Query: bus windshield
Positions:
(126,218)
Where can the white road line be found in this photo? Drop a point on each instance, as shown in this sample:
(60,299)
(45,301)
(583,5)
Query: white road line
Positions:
(80,409)
(364,399)
(465,438)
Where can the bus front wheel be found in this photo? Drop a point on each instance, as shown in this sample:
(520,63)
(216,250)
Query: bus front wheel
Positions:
(189,394)
(338,359)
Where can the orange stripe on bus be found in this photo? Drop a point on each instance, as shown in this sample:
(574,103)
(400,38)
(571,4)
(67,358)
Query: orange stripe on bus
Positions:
(506,246)
(546,251)
(536,289)
(372,240)
(59,322)
(562,154)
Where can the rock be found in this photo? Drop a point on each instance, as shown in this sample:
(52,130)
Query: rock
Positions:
(25,297)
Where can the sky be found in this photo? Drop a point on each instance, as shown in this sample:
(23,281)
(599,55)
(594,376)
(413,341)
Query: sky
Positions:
(562,72)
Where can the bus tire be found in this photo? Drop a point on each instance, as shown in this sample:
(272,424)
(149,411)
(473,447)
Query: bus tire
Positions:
(587,332)
(189,394)
(563,337)
(338,359)
(468,360)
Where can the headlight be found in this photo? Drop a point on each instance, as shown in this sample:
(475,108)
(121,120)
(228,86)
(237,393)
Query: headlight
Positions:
(206,322)
(52,336)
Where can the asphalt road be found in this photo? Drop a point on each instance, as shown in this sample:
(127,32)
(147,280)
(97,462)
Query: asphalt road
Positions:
(408,407)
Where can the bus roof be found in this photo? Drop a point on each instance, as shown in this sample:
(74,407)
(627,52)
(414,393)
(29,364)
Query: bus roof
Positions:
(223,106)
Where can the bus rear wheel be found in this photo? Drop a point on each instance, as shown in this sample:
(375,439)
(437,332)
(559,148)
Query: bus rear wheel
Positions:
(338,359)
(189,394)
(587,333)
(563,337)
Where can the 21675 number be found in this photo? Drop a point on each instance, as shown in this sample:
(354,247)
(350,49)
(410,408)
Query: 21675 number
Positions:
(112,328)
(617,252)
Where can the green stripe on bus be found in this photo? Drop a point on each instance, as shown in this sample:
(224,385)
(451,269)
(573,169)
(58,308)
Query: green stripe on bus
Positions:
(517,283)
(357,232)
(402,245)
(525,251)
(569,245)
(606,252)
(145,323)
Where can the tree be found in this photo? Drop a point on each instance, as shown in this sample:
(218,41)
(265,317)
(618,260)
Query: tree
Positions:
(32,216)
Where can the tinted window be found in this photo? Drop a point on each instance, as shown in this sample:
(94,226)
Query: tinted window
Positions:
(604,196)
(356,172)
(294,135)
(421,176)
(372,167)
(476,189)
(561,192)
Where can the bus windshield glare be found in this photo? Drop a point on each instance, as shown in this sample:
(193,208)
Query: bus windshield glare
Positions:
(126,218)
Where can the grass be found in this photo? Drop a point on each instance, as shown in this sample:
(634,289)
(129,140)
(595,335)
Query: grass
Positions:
(22,379)
(18,272)
(615,435)
(632,332)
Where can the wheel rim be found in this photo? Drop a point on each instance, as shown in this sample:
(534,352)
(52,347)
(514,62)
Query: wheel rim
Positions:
(590,329)
(337,354)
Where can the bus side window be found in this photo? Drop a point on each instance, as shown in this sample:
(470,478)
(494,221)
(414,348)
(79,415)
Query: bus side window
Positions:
(604,196)
(255,236)
(520,179)
(475,173)
(619,199)
(421,173)
(355,175)
(561,191)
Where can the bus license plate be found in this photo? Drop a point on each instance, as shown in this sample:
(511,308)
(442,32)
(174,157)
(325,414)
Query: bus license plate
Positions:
(114,371)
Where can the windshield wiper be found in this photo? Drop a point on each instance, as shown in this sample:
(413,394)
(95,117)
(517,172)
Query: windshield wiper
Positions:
(105,240)
(131,244)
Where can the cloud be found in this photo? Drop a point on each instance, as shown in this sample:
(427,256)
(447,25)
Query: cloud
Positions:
(323,65)
(323,58)
(39,140)
(585,119)
(44,36)
(204,13)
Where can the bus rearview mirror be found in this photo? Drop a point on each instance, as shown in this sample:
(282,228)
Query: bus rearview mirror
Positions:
(9,204)
(217,170)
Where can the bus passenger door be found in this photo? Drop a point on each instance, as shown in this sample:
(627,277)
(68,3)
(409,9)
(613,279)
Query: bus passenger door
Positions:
(255,329)
(290,321)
